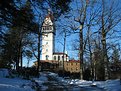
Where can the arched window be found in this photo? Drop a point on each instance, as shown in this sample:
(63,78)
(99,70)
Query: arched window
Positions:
(50,28)
(46,43)
(54,57)
(47,57)
(43,28)
(62,57)
(58,57)
(47,28)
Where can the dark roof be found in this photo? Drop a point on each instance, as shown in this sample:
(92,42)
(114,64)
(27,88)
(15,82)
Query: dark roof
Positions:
(59,53)
(47,61)
(74,61)
(50,16)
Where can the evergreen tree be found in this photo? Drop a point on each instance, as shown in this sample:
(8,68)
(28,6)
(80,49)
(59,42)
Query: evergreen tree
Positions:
(115,55)
(7,53)
(17,38)
(7,11)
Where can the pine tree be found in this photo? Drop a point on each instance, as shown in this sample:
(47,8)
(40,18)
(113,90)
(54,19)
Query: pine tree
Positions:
(17,38)
(115,55)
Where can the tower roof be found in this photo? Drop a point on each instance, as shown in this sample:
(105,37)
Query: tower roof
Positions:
(50,15)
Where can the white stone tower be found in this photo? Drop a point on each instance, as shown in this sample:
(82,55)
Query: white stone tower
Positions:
(48,37)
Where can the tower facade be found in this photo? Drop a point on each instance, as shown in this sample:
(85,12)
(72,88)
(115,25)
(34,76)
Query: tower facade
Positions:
(48,35)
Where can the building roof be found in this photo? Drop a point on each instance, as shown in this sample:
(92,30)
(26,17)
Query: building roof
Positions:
(50,15)
(59,53)
(74,61)
(47,61)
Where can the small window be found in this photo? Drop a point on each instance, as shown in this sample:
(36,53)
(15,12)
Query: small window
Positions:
(43,28)
(58,57)
(54,57)
(47,57)
(46,50)
(62,57)
(46,43)
(50,28)
(47,28)
(71,63)
(67,64)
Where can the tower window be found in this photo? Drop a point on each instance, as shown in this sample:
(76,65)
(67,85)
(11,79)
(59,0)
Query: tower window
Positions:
(43,28)
(46,43)
(50,28)
(47,28)
(47,57)
(46,50)
(67,64)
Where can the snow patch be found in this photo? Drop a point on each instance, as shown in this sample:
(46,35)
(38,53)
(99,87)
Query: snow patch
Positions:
(16,84)
(4,72)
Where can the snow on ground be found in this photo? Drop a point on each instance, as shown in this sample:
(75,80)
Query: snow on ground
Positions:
(18,84)
(13,84)
(42,79)
(4,73)
(109,85)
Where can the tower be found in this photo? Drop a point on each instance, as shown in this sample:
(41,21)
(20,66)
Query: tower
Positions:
(48,35)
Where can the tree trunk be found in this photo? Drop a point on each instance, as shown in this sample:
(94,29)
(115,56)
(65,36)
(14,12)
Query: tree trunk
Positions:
(81,54)
(105,60)
(38,58)
(21,60)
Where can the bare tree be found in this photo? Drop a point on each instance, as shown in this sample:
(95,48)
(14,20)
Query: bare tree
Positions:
(110,18)
(81,18)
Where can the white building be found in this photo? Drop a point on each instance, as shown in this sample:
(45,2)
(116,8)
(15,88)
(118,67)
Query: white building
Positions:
(48,35)
(48,41)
